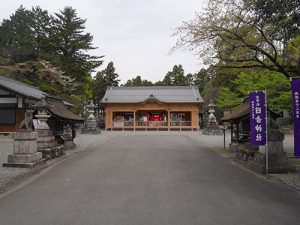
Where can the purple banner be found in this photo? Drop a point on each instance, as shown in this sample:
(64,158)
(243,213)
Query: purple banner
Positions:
(257,118)
(295,83)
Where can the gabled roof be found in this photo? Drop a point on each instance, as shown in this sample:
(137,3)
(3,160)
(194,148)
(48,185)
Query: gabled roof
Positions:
(166,94)
(21,88)
(241,111)
(58,108)
(34,94)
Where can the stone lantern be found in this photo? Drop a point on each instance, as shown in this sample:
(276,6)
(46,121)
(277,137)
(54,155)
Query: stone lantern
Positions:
(212,124)
(211,117)
(42,114)
(90,124)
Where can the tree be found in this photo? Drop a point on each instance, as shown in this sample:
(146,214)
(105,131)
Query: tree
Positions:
(25,35)
(201,78)
(233,34)
(71,44)
(17,37)
(277,86)
(110,75)
(41,28)
(284,14)
(137,81)
(103,79)
(175,77)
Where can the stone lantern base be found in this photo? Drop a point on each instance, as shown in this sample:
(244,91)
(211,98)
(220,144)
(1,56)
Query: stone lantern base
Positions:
(90,127)
(25,153)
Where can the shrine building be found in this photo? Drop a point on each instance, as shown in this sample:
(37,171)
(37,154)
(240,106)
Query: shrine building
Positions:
(16,97)
(165,108)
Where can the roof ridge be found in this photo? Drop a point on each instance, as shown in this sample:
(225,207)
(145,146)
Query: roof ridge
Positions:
(152,87)
(20,83)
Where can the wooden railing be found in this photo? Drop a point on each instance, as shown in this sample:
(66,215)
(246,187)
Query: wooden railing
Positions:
(152,124)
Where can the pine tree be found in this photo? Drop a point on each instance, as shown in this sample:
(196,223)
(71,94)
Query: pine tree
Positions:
(110,75)
(17,38)
(103,79)
(71,44)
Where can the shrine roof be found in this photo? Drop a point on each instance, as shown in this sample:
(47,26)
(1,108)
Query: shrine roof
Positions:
(21,88)
(58,108)
(165,94)
(34,94)
(238,113)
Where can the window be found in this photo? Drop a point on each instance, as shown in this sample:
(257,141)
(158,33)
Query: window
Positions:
(7,116)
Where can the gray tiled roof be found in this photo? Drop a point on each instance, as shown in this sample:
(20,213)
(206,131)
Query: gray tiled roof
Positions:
(21,88)
(168,94)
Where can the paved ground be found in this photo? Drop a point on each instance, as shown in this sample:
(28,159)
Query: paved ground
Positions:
(165,179)
(11,176)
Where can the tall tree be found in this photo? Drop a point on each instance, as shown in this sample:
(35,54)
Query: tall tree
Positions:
(110,75)
(16,36)
(201,79)
(41,28)
(103,79)
(233,34)
(71,44)
(137,81)
(175,77)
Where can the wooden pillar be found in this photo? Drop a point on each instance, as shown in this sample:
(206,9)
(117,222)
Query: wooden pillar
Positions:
(134,119)
(231,129)
(169,120)
(237,131)
(194,119)
(108,119)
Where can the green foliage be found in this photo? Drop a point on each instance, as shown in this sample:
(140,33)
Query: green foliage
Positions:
(236,34)
(276,85)
(210,91)
(284,14)
(137,81)
(36,35)
(202,77)
(70,44)
(175,77)
(110,75)
(294,52)
(32,42)
(103,79)
(87,87)
(17,37)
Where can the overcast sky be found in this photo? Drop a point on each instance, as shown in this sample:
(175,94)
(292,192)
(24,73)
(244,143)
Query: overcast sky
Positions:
(134,34)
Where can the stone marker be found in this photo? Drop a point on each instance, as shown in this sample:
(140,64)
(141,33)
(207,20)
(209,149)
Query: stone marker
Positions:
(25,153)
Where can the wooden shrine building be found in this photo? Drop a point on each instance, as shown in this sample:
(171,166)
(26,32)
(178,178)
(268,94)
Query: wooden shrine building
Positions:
(152,108)
(16,97)
(239,120)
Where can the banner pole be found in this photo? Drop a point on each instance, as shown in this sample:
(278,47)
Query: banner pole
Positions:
(266,146)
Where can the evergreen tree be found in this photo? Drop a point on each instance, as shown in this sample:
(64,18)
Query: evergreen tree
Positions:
(175,77)
(110,75)
(71,44)
(137,81)
(17,37)
(41,27)
(103,79)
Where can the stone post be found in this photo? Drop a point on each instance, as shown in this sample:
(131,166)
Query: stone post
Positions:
(25,153)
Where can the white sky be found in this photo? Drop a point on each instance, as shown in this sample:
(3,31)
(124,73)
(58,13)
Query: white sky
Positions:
(134,34)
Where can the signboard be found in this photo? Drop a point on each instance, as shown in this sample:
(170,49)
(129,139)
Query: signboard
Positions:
(258,126)
(295,84)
